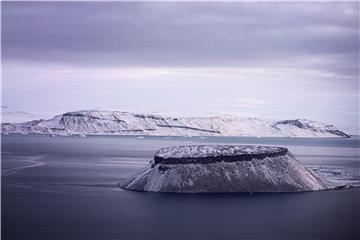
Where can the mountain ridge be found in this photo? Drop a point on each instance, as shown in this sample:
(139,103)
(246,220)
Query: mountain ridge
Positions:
(94,122)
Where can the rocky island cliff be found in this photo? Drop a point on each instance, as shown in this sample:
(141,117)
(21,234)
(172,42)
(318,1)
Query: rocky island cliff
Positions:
(225,168)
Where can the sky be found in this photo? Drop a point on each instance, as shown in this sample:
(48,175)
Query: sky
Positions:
(267,60)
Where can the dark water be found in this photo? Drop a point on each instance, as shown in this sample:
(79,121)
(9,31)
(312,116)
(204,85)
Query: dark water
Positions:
(65,188)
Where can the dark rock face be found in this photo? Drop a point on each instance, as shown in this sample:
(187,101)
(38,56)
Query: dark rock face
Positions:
(295,122)
(338,133)
(311,125)
(221,154)
(225,168)
(189,128)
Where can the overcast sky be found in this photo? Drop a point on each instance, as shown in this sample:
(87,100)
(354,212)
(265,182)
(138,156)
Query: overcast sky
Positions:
(268,60)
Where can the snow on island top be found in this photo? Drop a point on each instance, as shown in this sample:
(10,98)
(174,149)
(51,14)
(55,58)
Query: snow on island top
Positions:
(204,154)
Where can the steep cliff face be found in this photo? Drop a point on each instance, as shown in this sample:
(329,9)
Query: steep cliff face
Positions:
(124,123)
(219,168)
(301,127)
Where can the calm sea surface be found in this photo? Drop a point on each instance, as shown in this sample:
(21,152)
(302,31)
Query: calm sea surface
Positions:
(65,188)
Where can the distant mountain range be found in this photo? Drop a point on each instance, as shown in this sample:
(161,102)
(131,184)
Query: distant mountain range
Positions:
(124,123)
(13,116)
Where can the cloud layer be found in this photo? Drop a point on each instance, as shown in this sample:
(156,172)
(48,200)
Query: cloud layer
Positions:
(308,49)
(183,34)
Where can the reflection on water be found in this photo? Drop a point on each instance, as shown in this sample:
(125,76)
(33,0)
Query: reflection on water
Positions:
(56,188)
(13,165)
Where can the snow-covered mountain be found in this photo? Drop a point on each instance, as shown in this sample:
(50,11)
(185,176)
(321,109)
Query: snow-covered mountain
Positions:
(125,123)
(14,116)
(225,168)
(301,127)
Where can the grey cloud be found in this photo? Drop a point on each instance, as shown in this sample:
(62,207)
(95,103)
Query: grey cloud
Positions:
(182,34)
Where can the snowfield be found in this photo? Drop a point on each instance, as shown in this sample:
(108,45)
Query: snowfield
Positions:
(268,173)
(124,123)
